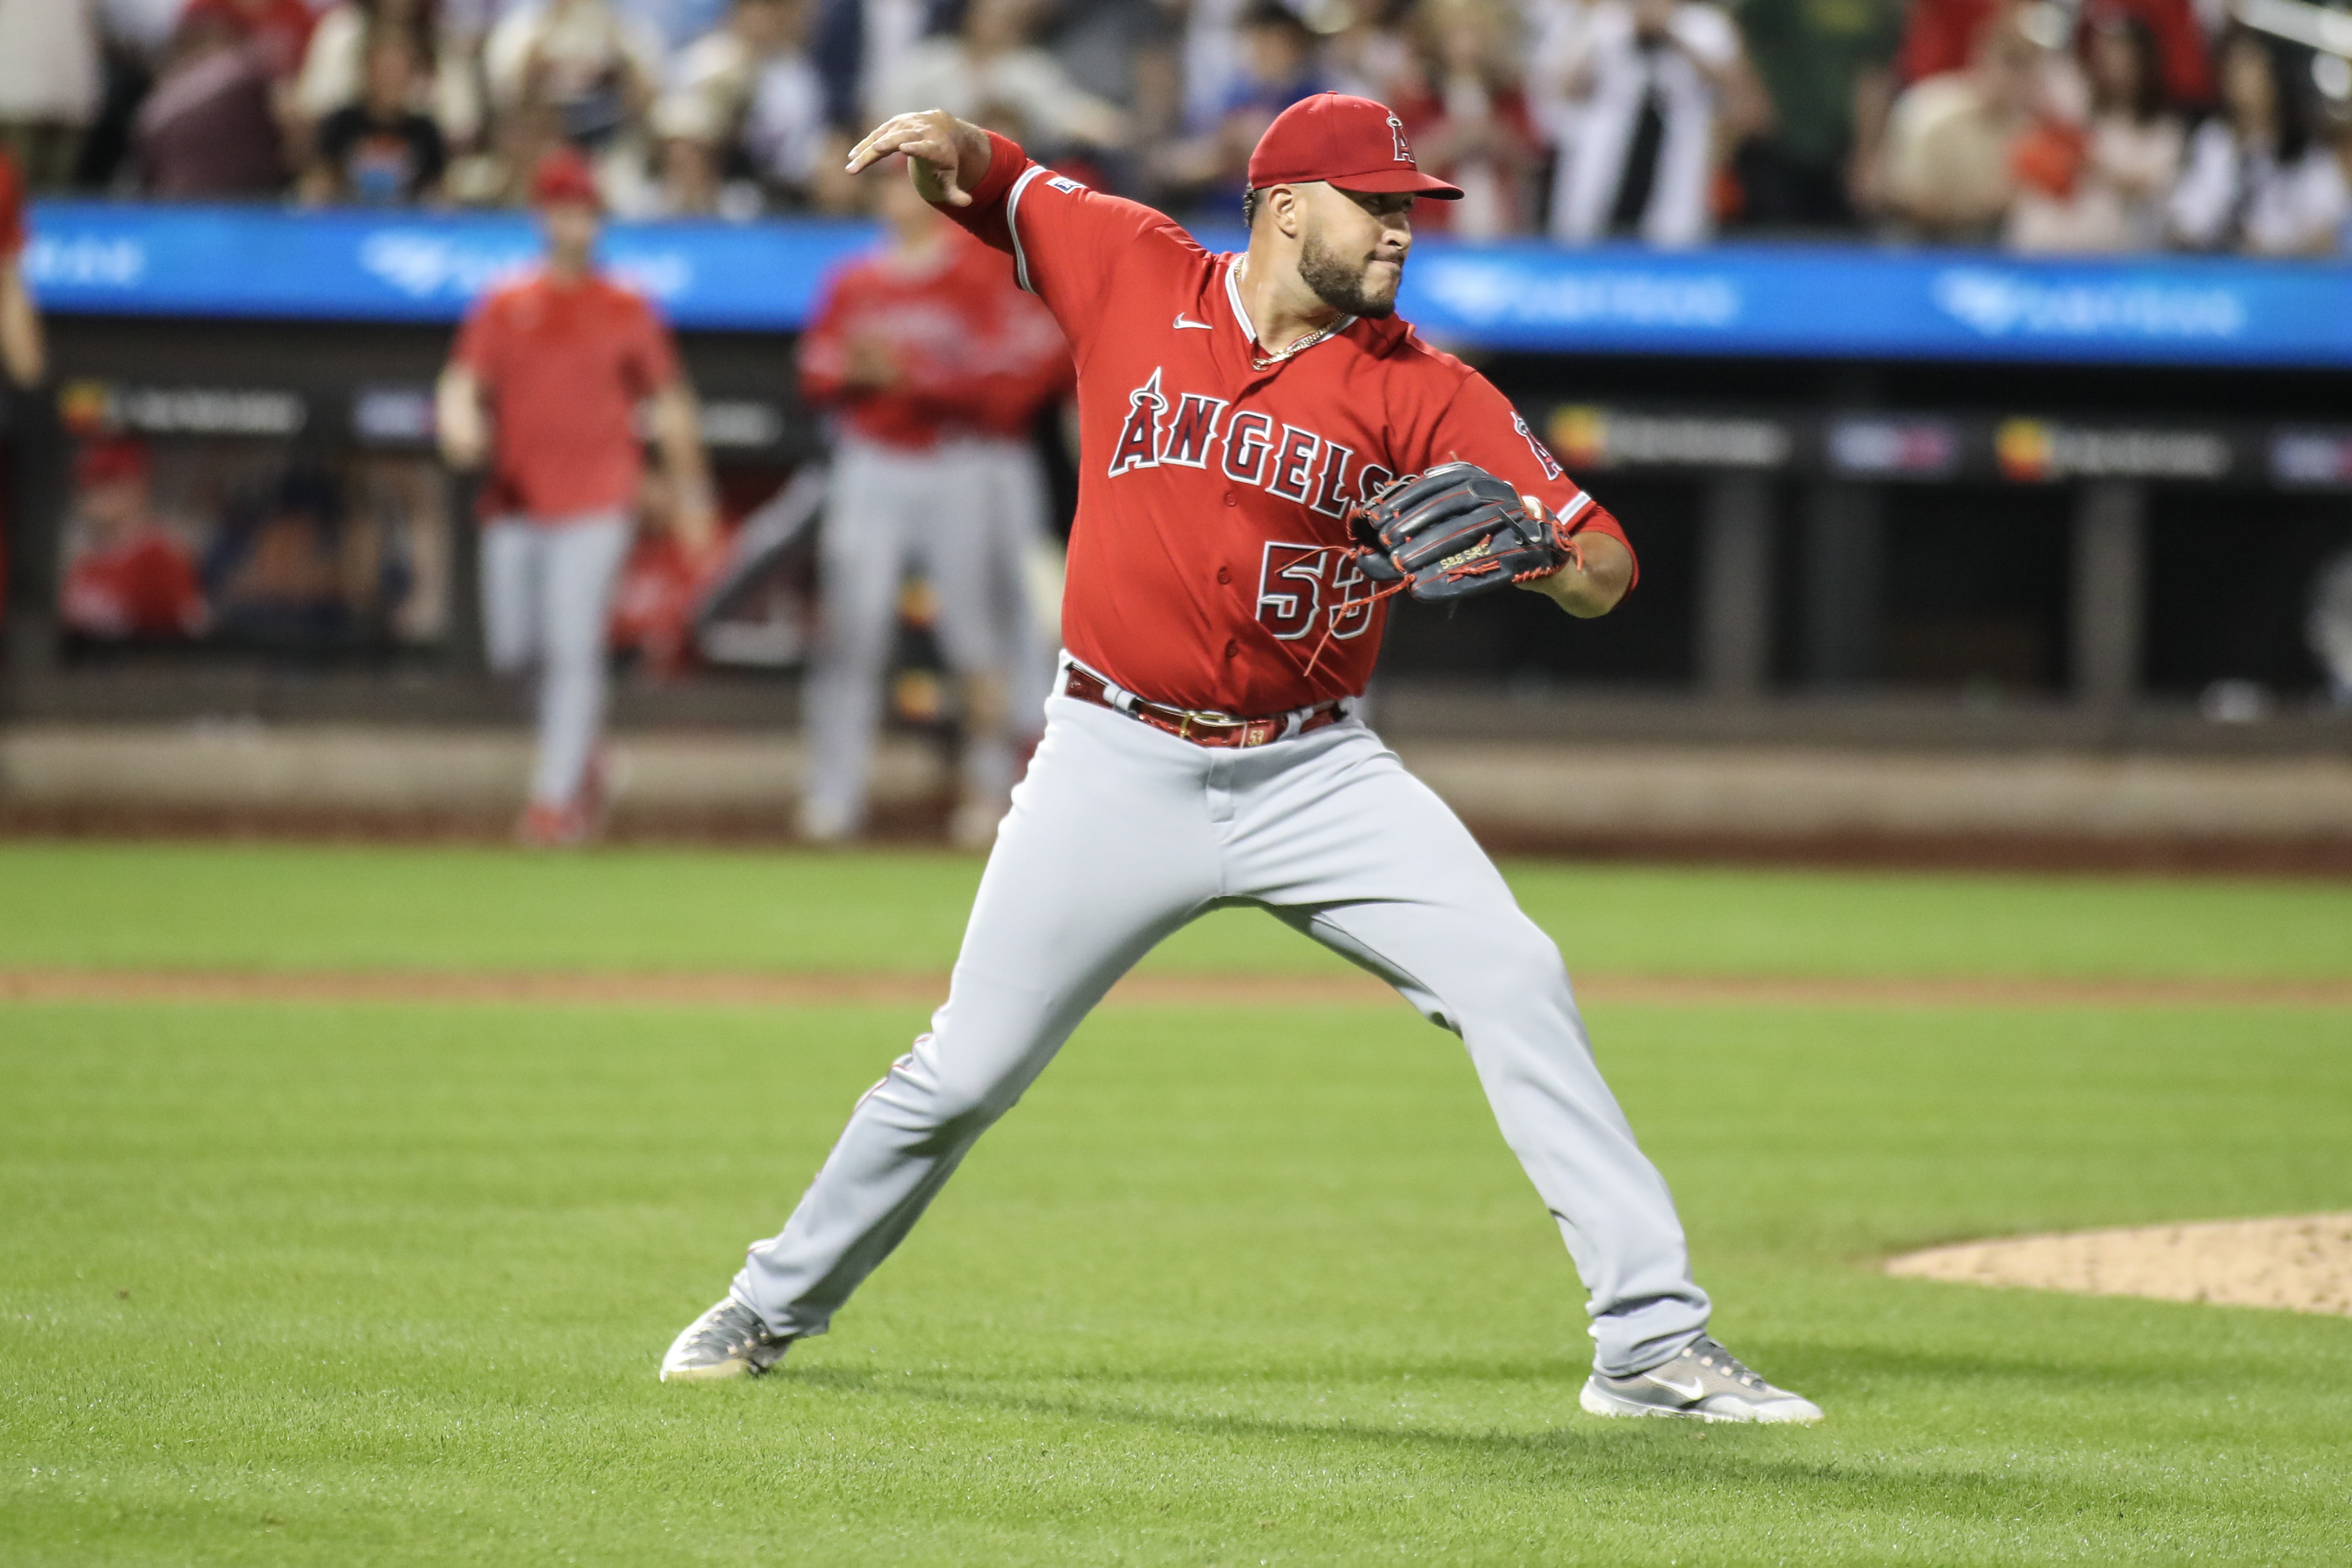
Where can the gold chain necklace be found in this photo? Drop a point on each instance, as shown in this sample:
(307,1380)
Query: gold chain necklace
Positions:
(1298,345)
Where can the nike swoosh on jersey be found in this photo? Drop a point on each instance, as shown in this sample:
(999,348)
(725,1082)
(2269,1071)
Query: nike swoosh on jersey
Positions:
(1182,322)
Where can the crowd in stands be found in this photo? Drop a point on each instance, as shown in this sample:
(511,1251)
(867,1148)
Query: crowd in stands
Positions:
(2046,125)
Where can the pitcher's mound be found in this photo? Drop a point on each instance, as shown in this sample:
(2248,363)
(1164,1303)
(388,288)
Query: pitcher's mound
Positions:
(2302,1264)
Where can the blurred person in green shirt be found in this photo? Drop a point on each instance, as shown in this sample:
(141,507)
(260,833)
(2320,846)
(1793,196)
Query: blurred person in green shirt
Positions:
(1827,68)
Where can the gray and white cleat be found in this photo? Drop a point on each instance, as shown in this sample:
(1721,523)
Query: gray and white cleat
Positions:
(729,1341)
(1705,1381)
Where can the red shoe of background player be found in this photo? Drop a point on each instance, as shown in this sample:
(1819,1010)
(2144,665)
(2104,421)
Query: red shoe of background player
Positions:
(552,826)
(594,803)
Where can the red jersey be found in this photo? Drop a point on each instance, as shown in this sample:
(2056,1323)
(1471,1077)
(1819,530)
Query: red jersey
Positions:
(975,355)
(1209,566)
(12,210)
(565,365)
(143,586)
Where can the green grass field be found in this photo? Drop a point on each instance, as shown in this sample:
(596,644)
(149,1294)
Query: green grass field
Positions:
(373,1283)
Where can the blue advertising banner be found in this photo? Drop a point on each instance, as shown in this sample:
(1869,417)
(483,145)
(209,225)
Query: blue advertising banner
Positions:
(1850,303)
(111,258)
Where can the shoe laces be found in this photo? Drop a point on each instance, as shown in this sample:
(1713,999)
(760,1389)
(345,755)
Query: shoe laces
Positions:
(732,1328)
(1714,1358)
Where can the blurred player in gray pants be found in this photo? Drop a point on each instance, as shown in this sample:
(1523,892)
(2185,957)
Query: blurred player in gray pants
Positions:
(561,358)
(934,365)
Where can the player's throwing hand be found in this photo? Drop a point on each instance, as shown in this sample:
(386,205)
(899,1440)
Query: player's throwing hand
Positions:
(946,156)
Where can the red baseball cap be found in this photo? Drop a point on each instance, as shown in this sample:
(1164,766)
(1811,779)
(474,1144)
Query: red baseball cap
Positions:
(111,458)
(1344,141)
(563,175)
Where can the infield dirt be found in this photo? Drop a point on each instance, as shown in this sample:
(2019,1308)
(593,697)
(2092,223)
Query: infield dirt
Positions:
(2302,1264)
(1150,989)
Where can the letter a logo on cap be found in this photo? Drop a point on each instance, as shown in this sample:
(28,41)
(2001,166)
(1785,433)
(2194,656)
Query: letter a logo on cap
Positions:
(1396,129)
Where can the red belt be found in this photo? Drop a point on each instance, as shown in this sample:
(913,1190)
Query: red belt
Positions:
(1200,729)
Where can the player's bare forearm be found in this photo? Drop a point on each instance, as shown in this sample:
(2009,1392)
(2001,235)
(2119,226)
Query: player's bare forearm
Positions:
(948,157)
(457,418)
(1590,585)
(22,353)
(677,431)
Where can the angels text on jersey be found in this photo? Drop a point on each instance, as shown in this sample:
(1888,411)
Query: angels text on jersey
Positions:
(1248,445)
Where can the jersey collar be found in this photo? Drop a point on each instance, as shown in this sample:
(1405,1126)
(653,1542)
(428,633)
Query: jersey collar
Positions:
(1258,358)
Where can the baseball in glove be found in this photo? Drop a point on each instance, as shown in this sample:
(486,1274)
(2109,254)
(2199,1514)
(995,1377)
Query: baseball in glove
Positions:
(1456,531)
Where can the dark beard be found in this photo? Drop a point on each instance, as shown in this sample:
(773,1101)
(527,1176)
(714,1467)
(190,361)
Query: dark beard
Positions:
(1336,285)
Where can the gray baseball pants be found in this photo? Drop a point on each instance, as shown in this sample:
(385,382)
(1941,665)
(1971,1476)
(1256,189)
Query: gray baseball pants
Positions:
(1121,833)
(547,600)
(965,513)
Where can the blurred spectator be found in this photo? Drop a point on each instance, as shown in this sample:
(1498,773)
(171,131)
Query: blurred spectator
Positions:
(1827,73)
(993,62)
(1373,53)
(1954,140)
(49,85)
(746,96)
(1644,82)
(143,25)
(1278,68)
(276,571)
(1211,56)
(859,46)
(578,72)
(380,151)
(445,85)
(126,575)
(134,36)
(1468,121)
(677,22)
(2257,179)
(1123,51)
(1942,34)
(210,126)
(278,31)
(2105,187)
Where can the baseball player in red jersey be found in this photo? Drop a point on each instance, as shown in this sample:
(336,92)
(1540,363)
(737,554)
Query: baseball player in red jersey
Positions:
(1242,416)
(934,364)
(24,362)
(22,355)
(562,357)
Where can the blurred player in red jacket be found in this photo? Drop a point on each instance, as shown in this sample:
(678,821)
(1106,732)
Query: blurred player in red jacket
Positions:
(561,359)
(935,364)
(22,359)
(21,350)
(126,575)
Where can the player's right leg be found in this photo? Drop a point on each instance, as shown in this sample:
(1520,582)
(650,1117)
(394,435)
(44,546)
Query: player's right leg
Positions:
(510,594)
(581,563)
(514,591)
(980,628)
(870,503)
(1108,848)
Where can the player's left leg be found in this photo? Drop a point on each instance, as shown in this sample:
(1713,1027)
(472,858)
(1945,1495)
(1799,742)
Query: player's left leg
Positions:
(583,562)
(1348,846)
